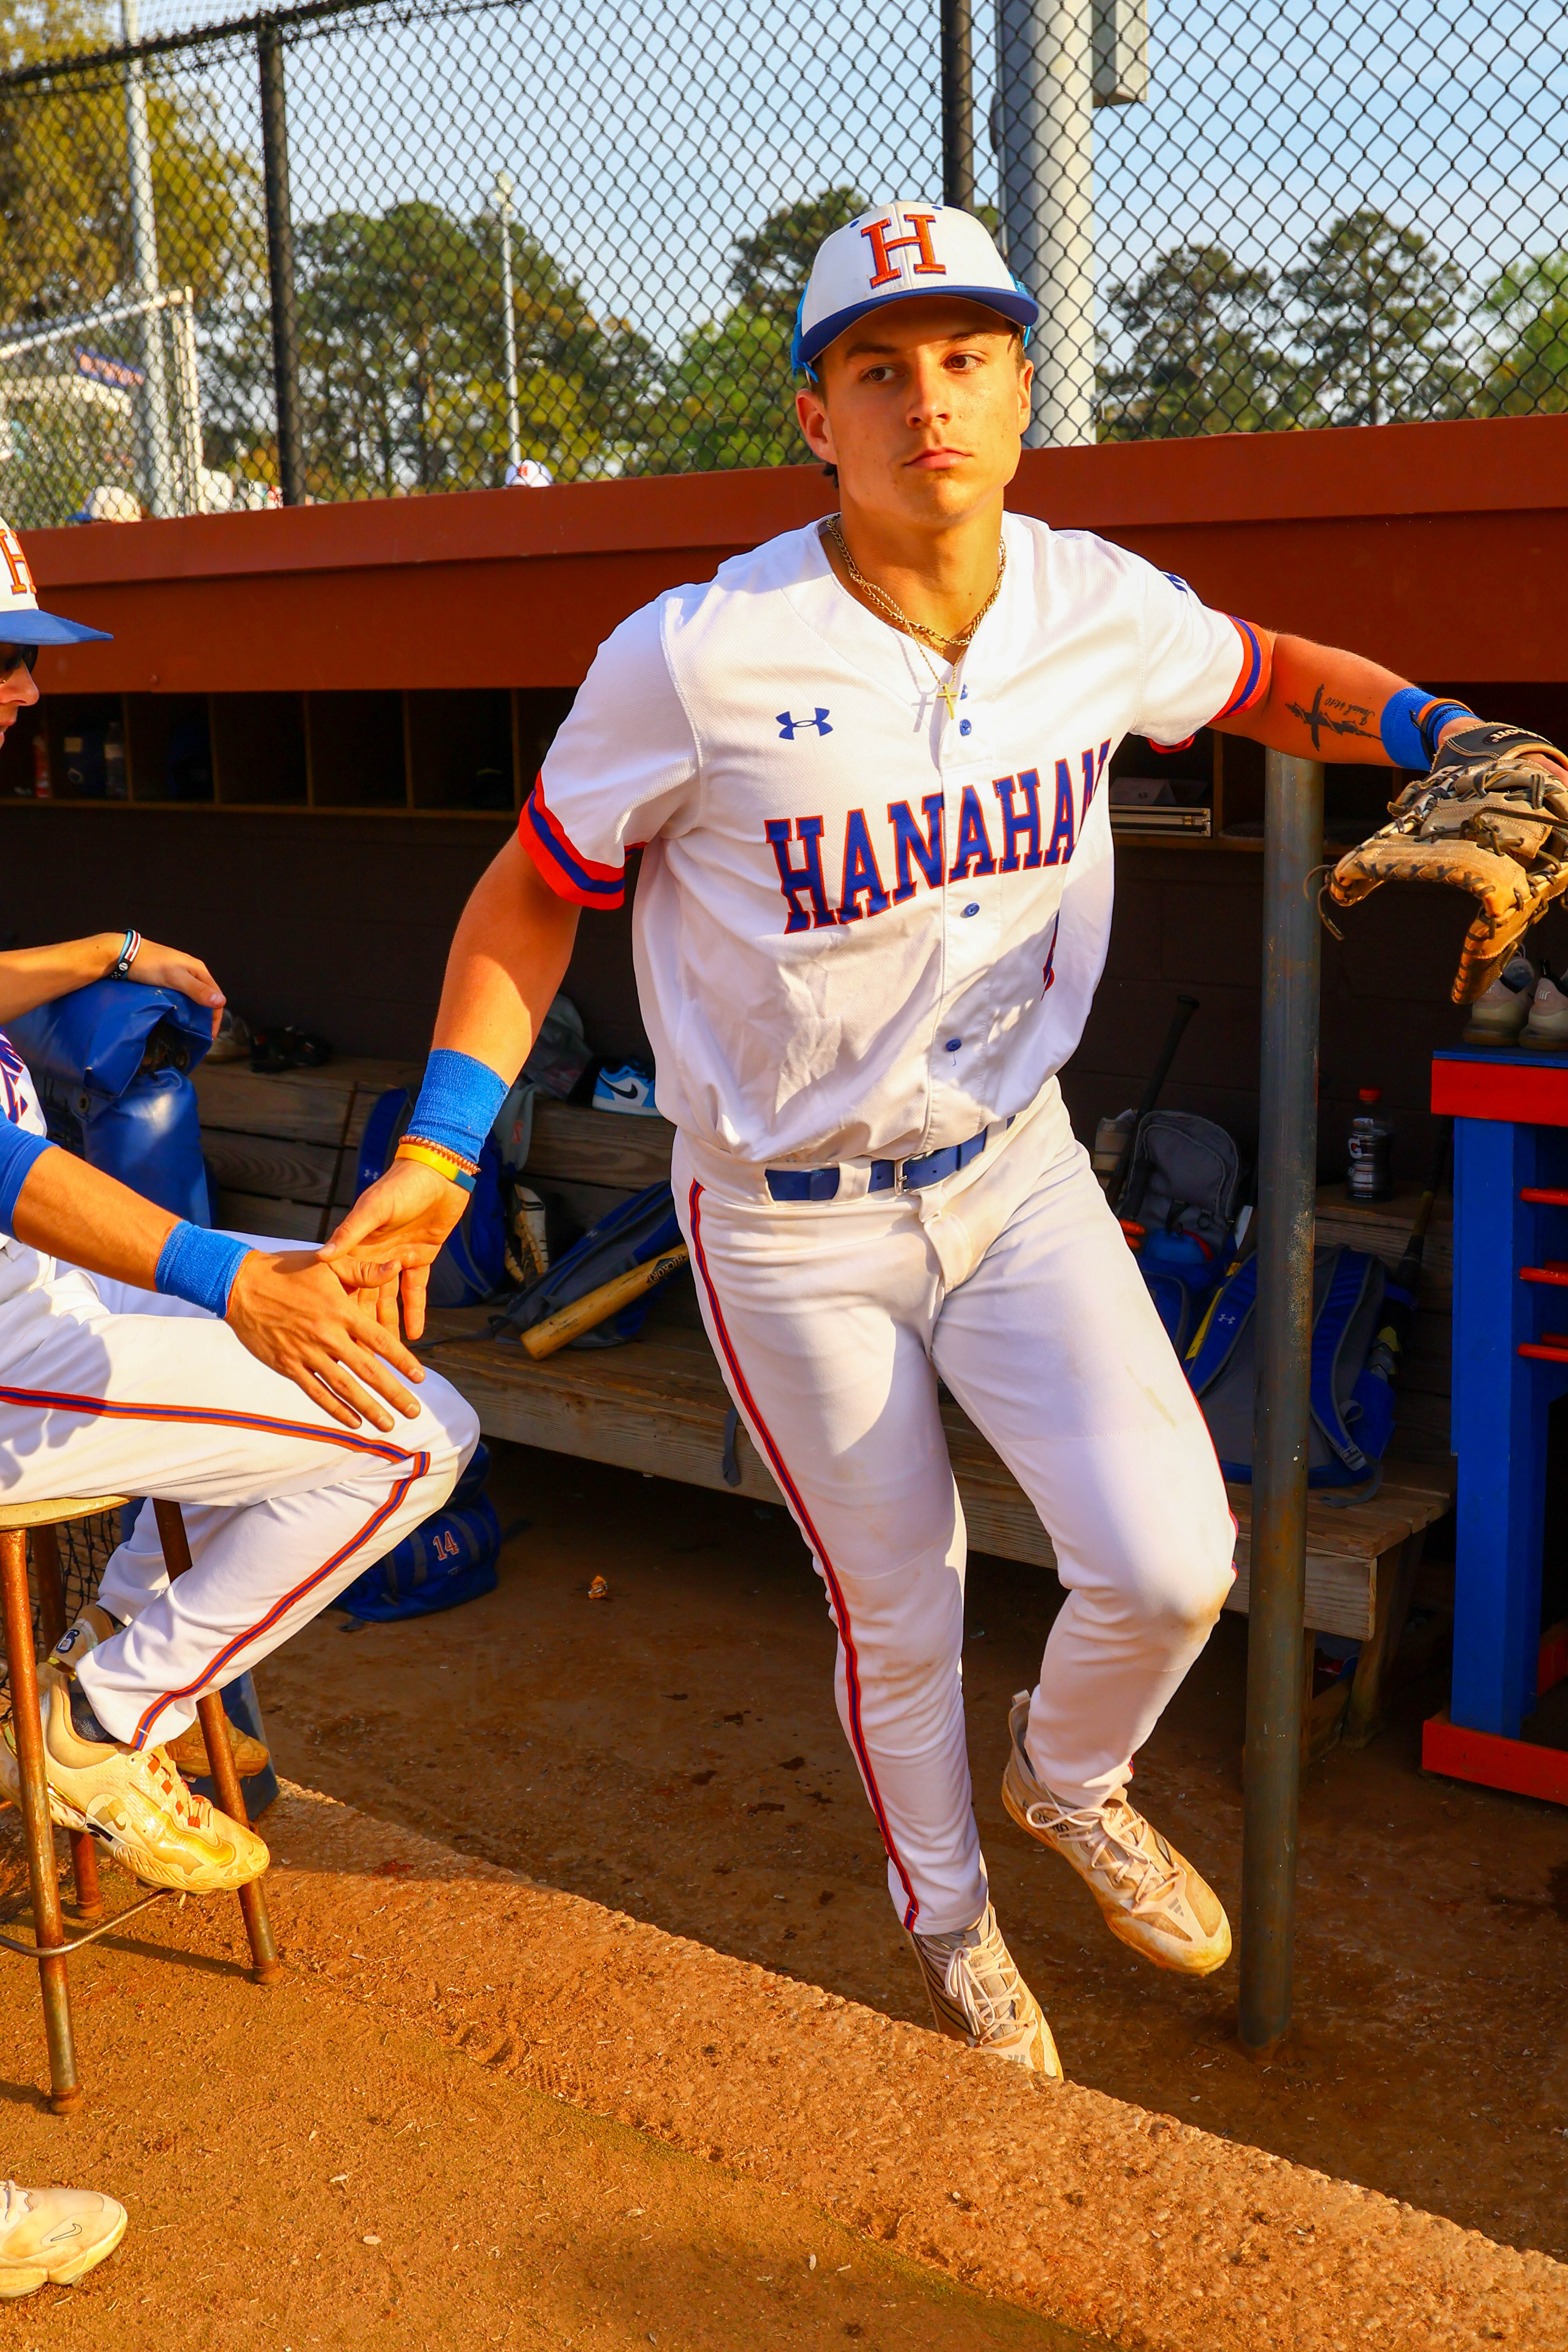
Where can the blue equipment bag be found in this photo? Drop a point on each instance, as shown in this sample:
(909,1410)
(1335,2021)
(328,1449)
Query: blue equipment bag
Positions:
(1182,1187)
(116,1056)
(640,1229)
(1351,1391)
(449,1559)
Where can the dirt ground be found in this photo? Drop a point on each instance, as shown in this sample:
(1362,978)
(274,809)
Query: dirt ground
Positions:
(303,2169)
(674,1752)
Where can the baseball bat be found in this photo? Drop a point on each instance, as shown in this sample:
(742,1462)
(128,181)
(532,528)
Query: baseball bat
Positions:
(1185,1008)
(596,1307)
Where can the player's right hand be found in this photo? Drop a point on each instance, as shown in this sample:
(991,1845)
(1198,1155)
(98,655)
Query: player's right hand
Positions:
(319,1328)
(160,967)
(403,1219)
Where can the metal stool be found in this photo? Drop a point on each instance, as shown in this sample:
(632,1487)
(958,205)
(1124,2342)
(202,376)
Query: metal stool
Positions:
(49,1947)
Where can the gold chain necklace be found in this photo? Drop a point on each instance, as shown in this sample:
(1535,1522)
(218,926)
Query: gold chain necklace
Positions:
(918,629)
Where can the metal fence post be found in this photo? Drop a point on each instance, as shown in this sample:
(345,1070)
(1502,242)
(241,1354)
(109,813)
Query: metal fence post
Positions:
(509,324)
(157,450)
(1044,115)
(958,104)
(280,265)
(1288,1125)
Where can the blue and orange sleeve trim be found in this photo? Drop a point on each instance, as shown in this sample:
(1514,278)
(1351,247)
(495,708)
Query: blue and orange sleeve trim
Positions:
(1253,676)
(569,874)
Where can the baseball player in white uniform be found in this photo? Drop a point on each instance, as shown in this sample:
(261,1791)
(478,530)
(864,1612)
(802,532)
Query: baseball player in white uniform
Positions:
(238,1377)
(866,765)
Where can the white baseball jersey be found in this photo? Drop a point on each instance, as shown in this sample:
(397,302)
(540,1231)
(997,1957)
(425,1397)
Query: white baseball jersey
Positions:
(868,925)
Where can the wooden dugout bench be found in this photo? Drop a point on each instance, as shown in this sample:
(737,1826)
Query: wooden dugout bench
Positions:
(284,1150)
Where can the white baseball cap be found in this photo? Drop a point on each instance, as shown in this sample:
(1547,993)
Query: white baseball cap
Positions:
(21,623)
(895,250)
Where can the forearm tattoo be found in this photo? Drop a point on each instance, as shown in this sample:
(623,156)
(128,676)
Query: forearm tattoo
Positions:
(1330,715)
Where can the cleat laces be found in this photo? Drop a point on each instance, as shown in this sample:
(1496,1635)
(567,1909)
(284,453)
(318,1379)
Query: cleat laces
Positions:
(1108,1838)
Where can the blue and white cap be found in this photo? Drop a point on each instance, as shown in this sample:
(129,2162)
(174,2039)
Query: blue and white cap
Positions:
(21,623)
(893,251)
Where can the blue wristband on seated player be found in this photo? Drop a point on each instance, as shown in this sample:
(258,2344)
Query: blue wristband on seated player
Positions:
(19,1151)
(1410,741)
(200,1266)
(457,1103)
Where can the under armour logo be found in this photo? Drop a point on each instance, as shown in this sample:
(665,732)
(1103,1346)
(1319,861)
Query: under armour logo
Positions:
(787,725)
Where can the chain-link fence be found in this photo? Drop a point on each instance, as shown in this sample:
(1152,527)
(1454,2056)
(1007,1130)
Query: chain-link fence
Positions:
(350,250)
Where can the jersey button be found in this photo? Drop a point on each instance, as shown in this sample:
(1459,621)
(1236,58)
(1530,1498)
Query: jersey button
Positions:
(963,726)
(953,1043)
(973,908)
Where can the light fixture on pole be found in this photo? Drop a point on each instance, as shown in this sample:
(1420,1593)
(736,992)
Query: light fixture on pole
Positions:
(504,215)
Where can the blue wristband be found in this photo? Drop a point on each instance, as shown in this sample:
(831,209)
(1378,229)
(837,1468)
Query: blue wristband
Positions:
(457,1103)
(1409,741)
(200,1266)
(19,1152)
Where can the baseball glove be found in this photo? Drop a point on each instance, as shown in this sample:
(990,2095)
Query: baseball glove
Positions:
(1491,819)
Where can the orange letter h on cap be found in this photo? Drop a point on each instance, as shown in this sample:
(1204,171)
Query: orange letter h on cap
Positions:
(928,266)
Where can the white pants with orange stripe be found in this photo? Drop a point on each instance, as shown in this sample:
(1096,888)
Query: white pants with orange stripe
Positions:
(105,1390)
(1012,1281)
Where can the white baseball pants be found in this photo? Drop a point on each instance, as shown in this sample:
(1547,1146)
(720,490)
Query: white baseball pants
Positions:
(1012,1282)
(107,1390)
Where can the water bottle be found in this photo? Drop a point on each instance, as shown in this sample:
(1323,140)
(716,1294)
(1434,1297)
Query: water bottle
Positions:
(1370,1175)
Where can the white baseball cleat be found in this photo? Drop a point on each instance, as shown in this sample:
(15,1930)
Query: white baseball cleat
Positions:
(978,1997)
(1150,1895)
(52,2237)
(135,1801)
(1548,1020)
(1501,1011)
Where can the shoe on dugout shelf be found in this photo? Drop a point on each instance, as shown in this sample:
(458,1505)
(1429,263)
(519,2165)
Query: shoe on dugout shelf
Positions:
(1150,1895)
(627,1088)
(1501,1011)
(188,1753)
(136,1803)
(1547,1024)
(977,1997)
(52,2237)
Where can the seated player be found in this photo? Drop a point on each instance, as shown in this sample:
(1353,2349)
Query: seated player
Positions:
(140,1355)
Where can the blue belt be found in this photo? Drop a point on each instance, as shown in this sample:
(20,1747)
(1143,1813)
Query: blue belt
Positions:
(887,1175)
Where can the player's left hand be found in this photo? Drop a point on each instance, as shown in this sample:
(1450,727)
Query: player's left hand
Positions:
(403,1217)
(160,967)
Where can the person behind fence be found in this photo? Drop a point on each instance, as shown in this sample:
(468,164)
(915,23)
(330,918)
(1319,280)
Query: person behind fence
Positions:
(238,1377)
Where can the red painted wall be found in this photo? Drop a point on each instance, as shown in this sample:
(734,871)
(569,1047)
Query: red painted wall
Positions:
(1442,550)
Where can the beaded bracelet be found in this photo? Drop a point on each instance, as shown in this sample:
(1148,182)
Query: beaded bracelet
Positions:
(433,1155)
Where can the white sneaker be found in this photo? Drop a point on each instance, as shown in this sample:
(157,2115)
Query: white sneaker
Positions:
(1548,1020)
(1150,1895)
(136,1801)
(627,1088)
(54,2236)
(1501,1011)
(977,1997)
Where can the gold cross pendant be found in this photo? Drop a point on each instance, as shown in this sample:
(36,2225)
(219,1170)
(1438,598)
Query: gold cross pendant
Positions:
(946,694)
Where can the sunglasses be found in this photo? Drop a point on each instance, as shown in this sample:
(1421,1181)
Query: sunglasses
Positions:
(16,658)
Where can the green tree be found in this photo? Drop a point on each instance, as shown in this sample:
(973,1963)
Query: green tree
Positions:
(401,340)
(1377,315)
(730,397)
(1199,358)
(1527,306)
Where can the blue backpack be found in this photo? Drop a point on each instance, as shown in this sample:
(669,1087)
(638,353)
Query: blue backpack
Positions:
(1352,1389)
(641,1228)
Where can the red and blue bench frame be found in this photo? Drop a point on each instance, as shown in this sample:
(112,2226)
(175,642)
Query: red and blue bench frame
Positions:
(1510,1362)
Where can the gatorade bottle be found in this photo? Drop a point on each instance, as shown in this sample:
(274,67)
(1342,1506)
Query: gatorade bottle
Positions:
(1369,1174)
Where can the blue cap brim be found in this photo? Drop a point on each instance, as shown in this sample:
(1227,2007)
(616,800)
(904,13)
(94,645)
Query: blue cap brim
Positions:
(48,629)
(1013,304)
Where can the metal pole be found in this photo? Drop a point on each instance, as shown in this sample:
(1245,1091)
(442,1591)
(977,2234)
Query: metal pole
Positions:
(188,388)
(503,213)
(281,266)
(958,104)
(1045,109)
(1287,1130)
(157,454)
